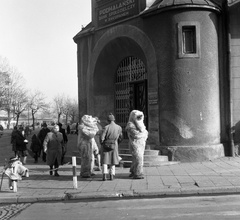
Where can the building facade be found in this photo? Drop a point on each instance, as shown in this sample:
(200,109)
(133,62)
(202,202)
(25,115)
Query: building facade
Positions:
(170,59)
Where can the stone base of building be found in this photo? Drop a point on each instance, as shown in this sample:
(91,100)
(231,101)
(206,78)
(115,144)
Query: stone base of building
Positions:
(196,153)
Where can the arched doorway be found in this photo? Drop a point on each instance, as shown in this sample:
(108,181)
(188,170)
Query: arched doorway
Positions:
(131,90)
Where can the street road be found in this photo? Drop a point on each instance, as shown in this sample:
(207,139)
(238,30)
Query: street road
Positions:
(180,208)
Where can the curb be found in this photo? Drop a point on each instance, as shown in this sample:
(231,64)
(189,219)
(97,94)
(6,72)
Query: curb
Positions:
(164,193)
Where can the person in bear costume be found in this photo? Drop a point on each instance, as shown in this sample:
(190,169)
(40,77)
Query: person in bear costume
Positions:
(87,145)
(137,135)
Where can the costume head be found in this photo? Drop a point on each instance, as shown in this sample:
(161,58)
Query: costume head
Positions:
(137,117)
(89,121)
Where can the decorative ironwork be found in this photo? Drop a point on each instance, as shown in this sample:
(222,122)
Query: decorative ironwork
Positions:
(131,70)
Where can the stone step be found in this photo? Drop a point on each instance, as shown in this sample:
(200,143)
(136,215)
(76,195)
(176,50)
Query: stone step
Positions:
(127,163)
(146,152)
(127,157)
(151,152)
(161,163)
(146,157)
(76,153)
(123,151)
(152,158)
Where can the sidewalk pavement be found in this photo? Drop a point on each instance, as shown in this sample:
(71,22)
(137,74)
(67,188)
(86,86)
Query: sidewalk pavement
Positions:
(221,176)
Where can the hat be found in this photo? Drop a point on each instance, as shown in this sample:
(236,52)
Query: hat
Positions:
(111,117)
(20,127)
(44,124)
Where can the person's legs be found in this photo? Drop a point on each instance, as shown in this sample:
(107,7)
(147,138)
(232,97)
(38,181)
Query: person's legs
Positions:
(105,171)
(112,171)
(99,162)
(35,157)
(24,154)
(56,168)
(51,172)
(44,156)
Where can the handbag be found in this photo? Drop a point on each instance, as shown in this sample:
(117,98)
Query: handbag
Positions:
(108,145)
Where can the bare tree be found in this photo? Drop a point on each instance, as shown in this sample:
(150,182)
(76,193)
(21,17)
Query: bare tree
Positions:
(59,102)
(73,111)
(66,107)
(4,79)
(13,89)
(36,103)
(21,103)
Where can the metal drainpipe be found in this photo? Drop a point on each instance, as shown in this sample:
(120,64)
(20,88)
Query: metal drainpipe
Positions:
(228,38)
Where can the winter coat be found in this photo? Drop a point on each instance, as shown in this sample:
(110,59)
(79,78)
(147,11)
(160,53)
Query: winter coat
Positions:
(52,144)
(20,144)
(65,138)
(36,144)
(42,134)
(13,140)
(110,135)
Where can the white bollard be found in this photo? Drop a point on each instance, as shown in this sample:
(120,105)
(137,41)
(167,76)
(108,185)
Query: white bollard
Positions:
(74,168)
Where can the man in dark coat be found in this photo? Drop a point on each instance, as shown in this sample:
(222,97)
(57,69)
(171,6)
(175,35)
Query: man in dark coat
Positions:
(41,136)
(35,147)
(111,134)
(21,144)
(65,140)
(13,140)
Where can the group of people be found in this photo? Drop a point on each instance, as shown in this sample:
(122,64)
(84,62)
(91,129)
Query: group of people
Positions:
(93,141)
(51,144)
(102,143)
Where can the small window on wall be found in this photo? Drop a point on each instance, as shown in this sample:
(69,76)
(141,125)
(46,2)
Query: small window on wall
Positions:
(188,40)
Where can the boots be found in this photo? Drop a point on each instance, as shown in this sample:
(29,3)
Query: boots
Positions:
(104,177)
(56,173)
(35,158)
(111,177)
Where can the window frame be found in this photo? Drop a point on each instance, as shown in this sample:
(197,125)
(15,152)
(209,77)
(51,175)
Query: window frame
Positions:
(181,26)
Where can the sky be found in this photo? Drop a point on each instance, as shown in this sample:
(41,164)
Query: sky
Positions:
(36,37)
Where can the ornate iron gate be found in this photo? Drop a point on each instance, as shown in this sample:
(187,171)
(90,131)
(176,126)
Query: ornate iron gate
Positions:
(130,72)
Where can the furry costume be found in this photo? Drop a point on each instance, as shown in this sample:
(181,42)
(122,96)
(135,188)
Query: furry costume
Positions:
(86,144)
(15,171)
(137,135)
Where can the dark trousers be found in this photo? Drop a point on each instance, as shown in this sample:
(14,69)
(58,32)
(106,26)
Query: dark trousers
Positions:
(44,155)
(56,165)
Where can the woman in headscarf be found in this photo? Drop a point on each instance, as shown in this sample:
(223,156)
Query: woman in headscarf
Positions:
(52,146)
(87,145)
(137,135)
